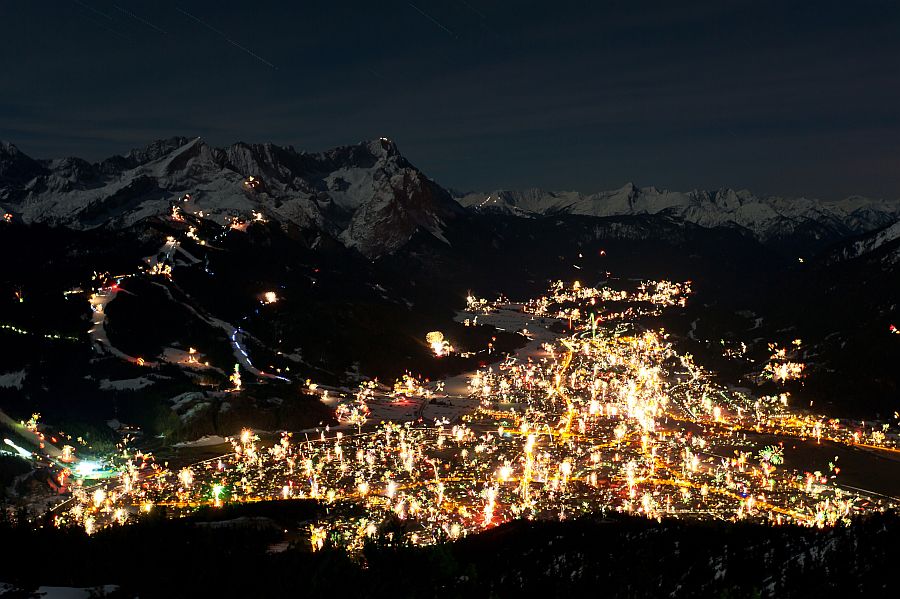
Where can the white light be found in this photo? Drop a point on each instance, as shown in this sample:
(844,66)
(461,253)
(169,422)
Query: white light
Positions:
(86,469)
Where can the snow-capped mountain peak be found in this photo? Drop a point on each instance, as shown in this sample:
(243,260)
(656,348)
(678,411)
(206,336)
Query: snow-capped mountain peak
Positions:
(367,195)
(15,167)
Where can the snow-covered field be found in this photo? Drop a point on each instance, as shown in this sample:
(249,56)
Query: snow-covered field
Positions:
(204,441)
(58,592)
(12,380)
(125,384)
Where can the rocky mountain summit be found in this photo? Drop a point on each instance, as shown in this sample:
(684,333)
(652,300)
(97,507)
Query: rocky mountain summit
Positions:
(368,195)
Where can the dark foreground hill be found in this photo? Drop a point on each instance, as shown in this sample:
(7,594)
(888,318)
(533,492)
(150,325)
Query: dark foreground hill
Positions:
(241,552)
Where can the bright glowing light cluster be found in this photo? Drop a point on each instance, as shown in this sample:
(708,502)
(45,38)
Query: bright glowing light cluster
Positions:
(611,418)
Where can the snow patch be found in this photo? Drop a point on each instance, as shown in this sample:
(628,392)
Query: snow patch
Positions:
(12,380)
(204,441)
(125,384)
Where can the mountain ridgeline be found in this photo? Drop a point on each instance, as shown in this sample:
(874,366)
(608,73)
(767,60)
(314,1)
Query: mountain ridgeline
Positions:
(371,198)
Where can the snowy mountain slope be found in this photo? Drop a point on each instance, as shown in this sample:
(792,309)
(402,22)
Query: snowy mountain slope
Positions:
(769,219)
(367,195)
(882,246)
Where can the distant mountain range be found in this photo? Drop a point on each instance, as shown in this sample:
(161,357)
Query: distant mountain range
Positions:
(769,219)
(369,197)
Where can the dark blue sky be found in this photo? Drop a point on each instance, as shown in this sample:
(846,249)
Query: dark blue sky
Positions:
(780,97)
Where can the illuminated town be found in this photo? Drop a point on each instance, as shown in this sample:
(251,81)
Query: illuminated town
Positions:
(604,417)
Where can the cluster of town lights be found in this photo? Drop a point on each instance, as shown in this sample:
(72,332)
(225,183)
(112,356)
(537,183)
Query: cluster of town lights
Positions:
(611,418)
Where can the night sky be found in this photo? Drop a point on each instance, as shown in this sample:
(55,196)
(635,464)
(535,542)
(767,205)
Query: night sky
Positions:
(793,98)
